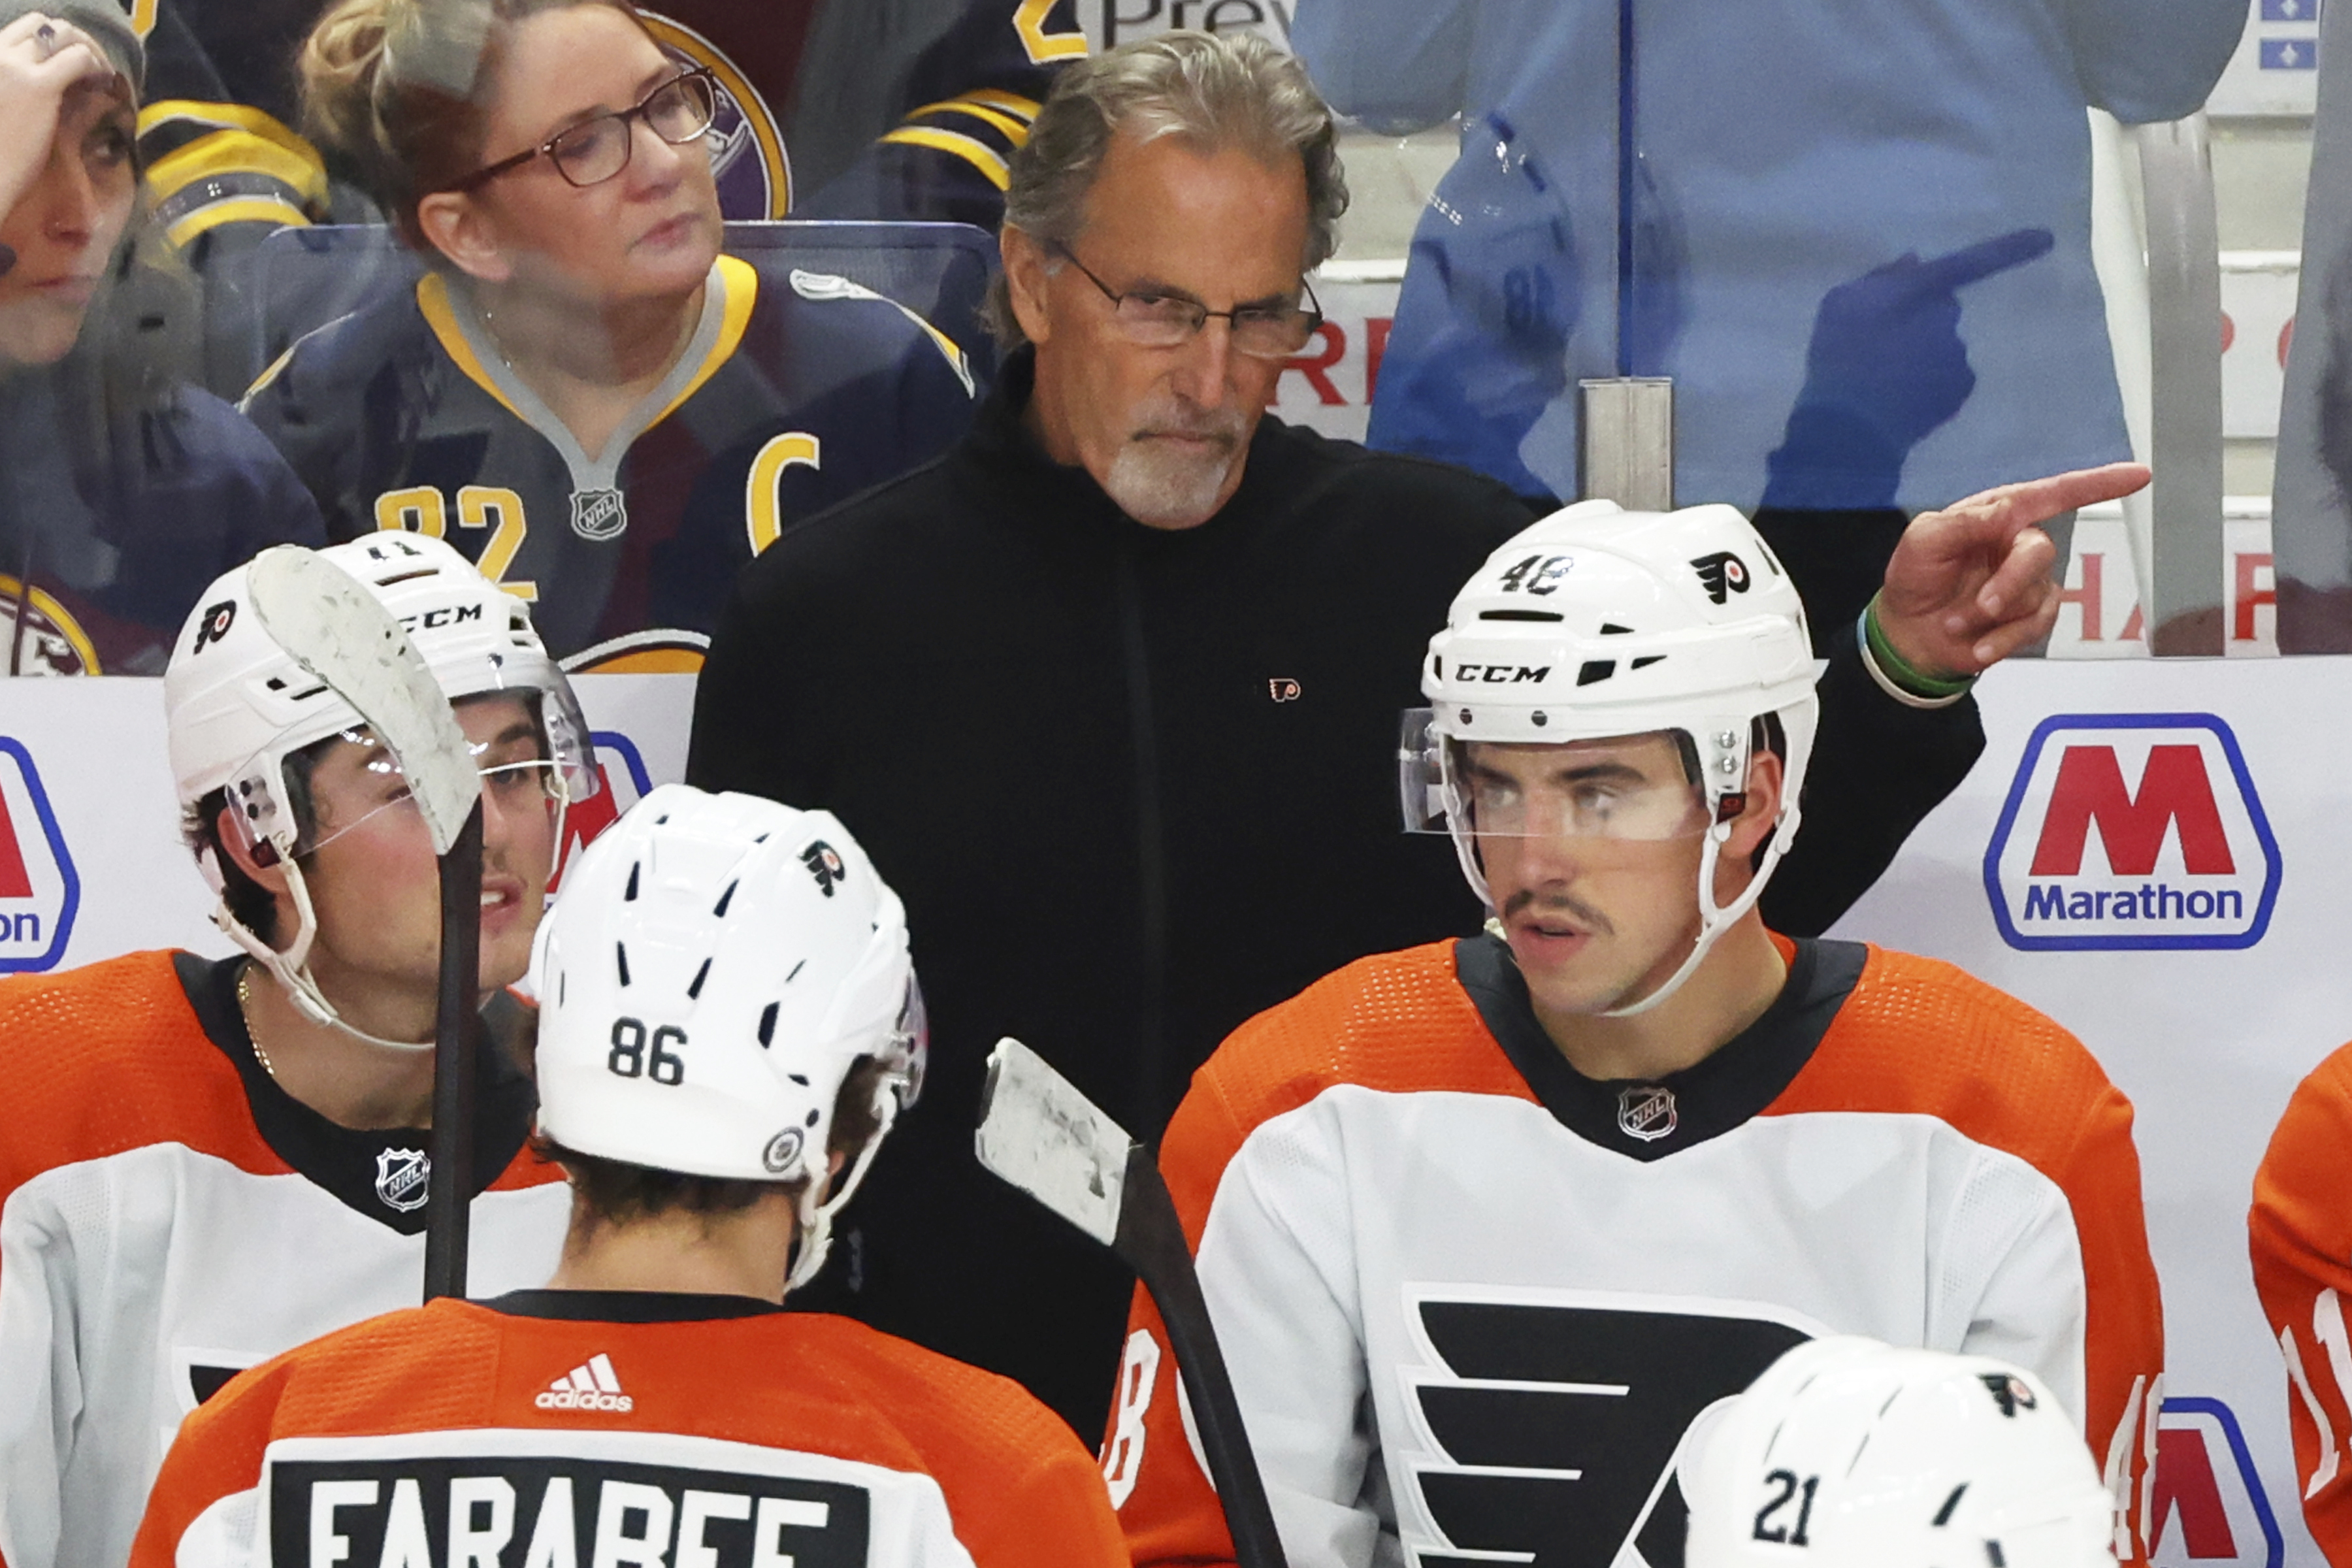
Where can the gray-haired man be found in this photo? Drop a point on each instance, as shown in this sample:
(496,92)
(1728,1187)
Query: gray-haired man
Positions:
(1110,689)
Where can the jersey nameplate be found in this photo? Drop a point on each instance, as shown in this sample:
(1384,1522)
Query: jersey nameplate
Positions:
(479,1511)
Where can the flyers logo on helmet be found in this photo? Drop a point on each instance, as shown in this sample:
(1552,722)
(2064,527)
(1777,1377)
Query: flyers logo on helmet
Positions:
(2209,1505)
(39,890)
(1722,575)
(2185,855)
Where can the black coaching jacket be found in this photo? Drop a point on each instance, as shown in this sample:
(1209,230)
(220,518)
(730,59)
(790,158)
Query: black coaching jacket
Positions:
(1134,786)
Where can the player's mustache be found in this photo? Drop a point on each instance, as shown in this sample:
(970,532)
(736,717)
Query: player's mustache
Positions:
(1543,902)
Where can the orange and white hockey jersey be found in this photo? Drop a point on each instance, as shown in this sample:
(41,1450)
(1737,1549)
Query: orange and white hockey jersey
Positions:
(561,1427)
(168,1215)
(1472,1301)
(2300,1232)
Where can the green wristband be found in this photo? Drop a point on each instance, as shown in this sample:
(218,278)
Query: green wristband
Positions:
(1899,669)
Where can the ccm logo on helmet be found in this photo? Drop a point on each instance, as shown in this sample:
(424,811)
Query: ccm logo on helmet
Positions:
(447,615)
(1722,575)
(1500,674)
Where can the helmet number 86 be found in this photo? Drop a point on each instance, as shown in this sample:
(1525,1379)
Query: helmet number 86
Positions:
(628,1057)
(1785,1488)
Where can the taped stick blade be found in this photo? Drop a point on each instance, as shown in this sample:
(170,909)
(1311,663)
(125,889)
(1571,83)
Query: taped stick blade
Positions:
(338,631)
(1038,1132)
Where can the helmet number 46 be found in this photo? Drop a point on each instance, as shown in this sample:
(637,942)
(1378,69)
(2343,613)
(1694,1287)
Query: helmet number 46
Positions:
(1536,573)
(629,1053)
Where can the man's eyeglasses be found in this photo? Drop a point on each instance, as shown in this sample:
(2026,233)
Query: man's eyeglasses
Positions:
(1164,321)
(594,151)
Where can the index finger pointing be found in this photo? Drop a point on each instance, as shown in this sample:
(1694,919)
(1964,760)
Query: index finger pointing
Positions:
(1974,263)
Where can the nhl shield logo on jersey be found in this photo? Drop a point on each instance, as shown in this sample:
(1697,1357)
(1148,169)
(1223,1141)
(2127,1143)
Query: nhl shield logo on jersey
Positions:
(403,1177)
(2132,831)
(39,890)
(1646,1111)
(599,515)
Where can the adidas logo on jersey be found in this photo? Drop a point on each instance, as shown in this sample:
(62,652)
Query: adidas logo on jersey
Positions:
(592,1386)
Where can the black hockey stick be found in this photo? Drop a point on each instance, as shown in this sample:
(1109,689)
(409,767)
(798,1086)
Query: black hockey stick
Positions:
(1038,1132)
(336,629)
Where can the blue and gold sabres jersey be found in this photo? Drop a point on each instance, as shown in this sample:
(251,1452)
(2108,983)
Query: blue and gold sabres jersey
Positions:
(795,392)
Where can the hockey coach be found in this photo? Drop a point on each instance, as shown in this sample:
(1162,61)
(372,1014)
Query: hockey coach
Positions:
(1109,690)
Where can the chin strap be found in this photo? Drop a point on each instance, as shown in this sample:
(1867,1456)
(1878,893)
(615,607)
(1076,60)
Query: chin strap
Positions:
(291,968)
(1714,920)
(816,1217)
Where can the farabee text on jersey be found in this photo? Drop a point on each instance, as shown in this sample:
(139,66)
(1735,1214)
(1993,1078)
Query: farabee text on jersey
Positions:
(849,1448)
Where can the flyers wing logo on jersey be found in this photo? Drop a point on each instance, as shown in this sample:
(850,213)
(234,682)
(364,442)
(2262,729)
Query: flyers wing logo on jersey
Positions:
(1552,1428)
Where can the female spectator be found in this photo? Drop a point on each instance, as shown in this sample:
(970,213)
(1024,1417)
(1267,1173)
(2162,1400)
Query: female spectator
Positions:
(122,490)
(581,393)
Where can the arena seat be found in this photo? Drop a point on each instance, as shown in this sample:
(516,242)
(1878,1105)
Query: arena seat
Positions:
(305,277)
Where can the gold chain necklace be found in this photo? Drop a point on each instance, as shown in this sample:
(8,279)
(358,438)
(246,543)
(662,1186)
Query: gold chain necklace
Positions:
(245,1010)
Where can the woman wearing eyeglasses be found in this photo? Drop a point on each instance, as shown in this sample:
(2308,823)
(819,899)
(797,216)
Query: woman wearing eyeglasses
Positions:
(582,394)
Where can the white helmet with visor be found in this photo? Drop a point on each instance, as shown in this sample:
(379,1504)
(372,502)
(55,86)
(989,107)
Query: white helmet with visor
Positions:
(716,967)
(241,713)
(1598,624)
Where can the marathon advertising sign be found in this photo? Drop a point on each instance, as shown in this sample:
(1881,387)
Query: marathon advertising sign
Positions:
(622,780)
(2130,832)
(2209,1505)
(39,890)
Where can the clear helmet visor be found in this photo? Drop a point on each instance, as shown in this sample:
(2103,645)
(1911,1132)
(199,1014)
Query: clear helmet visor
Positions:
(531,769)
(1637,787)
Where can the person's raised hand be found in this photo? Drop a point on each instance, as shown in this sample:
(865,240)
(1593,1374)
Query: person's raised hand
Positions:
(1970,585)
(41,59)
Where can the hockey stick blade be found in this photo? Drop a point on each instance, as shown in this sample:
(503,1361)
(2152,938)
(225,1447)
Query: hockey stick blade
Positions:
(339,632)
(335,629)
(1039,1134)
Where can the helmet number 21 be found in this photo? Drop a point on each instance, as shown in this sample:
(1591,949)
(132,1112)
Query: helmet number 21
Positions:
(629,1054)
(1785,1489)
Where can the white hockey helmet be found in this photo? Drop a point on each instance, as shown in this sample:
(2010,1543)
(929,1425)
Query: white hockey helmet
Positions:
(715,967)
(1597,622)
(237,706)
(1849,1453)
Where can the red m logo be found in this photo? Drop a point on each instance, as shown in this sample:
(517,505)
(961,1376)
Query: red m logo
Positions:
(2174,788)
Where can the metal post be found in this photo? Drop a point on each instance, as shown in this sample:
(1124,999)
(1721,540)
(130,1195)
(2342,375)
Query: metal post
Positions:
(2184,276)
(1629,442)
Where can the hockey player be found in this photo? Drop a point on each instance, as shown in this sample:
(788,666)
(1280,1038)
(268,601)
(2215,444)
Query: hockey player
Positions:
(583,395)
(1484,1224)
(730,1026)
(204,1163)
(2300,1232)
(1850,1453)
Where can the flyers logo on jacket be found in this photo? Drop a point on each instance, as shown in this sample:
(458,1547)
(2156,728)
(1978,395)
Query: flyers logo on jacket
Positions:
(39,890)
(2210,1506)
(2132,831)
(621,782)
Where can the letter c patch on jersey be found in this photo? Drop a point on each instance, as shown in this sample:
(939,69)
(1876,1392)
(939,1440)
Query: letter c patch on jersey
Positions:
(1551,1426)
